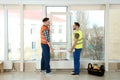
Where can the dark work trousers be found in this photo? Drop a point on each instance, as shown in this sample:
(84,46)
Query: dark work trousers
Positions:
(76,55)
(45,61)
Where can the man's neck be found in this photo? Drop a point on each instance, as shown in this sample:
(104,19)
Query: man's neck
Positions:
(45,25)
(77,29)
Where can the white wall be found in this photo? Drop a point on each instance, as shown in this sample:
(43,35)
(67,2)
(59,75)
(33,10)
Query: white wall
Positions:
(61,2)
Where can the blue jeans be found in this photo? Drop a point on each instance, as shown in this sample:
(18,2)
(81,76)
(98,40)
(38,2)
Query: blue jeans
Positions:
(45,61)
(76,55)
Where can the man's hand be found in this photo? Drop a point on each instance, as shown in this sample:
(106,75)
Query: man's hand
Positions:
(73,46)
(51,50)
(70,51)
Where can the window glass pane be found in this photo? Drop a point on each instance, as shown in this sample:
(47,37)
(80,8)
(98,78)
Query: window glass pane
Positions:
(92,26)
(32,24)
(55,9)
(58,32)
(59,28)
(58,37)
(1,34)
(14,34)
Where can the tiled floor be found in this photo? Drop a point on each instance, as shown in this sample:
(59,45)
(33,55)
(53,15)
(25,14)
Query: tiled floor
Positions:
(57,75)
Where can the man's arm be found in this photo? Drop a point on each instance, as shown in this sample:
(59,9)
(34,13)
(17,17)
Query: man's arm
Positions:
(75,42)
(50,45)
(73,46)
(47,37)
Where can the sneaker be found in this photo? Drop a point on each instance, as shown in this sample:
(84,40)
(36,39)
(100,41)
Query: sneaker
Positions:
(43,71)
(49,74)
(74,74)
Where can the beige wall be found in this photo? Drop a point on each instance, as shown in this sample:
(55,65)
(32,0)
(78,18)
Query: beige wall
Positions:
(114,36)
(27,67)
(16,67)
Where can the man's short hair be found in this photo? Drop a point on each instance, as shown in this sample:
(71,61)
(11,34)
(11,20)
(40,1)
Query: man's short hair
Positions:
(77,24)
(45,19)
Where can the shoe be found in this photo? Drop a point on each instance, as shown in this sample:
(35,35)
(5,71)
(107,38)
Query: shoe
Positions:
(74,74)
(42,71)
(49,74)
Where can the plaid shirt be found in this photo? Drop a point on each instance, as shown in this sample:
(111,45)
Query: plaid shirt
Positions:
(47,35)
